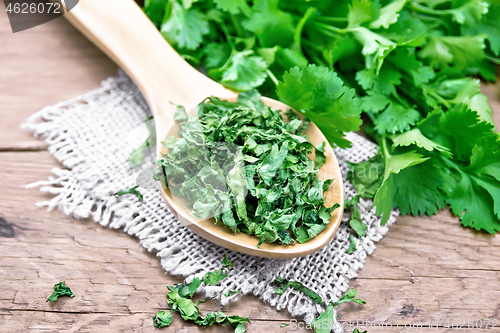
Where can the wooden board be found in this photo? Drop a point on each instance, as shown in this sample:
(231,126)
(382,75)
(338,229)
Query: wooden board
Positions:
(425,268)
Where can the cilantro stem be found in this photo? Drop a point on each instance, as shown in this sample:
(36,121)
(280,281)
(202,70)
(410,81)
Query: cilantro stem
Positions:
(237,25)
(228,36)
(427,10)
(272,76)
(370,115)
(438,97)
(317,60)
(417,98)
(330,30)
(384,147)
(401,100)
(332,19)
(492,59)
(426,17)
(313,46)
(300,26)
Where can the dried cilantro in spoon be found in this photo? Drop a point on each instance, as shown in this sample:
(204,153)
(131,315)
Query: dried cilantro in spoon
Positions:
(242,164)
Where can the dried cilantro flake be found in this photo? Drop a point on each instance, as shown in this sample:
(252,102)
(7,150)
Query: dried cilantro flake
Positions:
(243,165)
(60,289)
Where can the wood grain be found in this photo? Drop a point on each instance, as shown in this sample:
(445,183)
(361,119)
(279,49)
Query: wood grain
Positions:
(43,66)
(424,268)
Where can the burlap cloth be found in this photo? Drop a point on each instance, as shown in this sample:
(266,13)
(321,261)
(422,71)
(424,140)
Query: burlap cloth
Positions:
(93,135)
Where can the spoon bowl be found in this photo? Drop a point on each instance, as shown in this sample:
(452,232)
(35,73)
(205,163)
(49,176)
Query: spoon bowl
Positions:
(126,35)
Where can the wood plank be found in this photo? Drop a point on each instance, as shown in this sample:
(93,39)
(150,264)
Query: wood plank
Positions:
(425,268)
(106,269)
(43,66)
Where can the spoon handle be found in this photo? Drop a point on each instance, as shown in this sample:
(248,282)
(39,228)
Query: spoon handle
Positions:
(122,31)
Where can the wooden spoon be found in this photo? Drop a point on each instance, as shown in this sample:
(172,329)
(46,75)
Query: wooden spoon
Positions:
(125,34)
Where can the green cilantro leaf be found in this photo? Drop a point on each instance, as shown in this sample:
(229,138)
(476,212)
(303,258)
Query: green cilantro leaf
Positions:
(186,291)
(231,292)
(375,47)
(459,129)
(162,319)
(409,181)
(243,71)
(240,328)
(226,263)
(284,325)
(469,13)
(320,95)
(349,296)
(489,25)
(388,14)
(406,59)
(212,278)
(184,27)
(284,284)
(137,155)
(358,226)
(206,321)
(374,102)
(415,136)
(355,222)
(271,25)
(460,51)
(60,289)
(384,82)
(186,308)
(473,182)
(235,321)
(234,6)
(180,115)
(408,30)
(216,54)
(470,95)
(155,9)
(352,245)
(324,323)
(130,191)
(396,118)
(476,197)
(361,11)
(368,174)
(320,154)
(385,195)
(396,163)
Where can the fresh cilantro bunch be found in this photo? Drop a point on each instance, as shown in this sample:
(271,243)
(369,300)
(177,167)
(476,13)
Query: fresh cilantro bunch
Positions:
(242,164)
(412,67)
(245,45)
